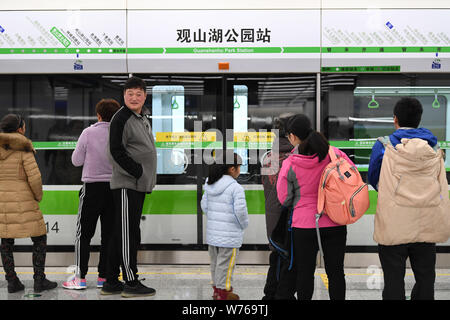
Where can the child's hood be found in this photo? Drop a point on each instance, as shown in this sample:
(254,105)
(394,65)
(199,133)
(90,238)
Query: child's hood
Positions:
(219,186)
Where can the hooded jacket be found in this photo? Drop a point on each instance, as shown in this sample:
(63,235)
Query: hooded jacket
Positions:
(20,189)
(298,185)
(269,181)
(413,204)
(376,157)
(225,207)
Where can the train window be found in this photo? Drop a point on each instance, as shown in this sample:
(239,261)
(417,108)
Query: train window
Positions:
(181,107)
(257,102)
(167,120)
(374,108)
(240,115)
(56,109)
(358,108)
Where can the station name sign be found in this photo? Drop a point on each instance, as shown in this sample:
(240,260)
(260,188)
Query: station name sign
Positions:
(213,35)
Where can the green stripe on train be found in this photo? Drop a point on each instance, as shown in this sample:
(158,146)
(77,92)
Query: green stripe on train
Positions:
(159,202)
(162,202)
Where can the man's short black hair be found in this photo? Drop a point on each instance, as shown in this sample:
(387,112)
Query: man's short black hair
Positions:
(408,112)
(134,83)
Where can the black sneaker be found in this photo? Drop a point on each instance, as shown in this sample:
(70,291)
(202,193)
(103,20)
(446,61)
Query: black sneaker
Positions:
(44,284)
(15,286)
(110,288)
(138,290)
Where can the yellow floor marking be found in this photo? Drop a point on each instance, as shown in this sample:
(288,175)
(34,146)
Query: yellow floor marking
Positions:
(324,278)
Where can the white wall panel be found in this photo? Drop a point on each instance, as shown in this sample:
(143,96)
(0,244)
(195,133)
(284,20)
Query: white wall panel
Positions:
(386,4)
(223,4)
(63,5)
(63,41)
(293,24)
(413,40)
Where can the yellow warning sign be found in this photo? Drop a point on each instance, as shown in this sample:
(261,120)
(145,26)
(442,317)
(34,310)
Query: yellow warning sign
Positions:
(186,140)
(254,136)
(185,136)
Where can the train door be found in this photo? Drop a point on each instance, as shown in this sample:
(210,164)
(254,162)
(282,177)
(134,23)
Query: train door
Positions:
(192,117)
(254,104)
(187,116)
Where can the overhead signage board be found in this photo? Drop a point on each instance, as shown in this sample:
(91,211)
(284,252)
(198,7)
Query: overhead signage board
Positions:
(250,40)
(244,41)
(63,41)
(385,40)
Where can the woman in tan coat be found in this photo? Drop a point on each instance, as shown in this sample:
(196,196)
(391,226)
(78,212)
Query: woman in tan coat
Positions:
(20,193)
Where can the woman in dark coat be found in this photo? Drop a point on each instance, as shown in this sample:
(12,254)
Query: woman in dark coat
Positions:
(280,283)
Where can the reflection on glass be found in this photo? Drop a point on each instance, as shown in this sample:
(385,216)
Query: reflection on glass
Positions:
(240,115)
(168,116)
(371,123)
(257,102)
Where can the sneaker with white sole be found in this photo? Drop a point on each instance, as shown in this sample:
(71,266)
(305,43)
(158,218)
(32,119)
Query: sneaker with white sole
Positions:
(100,282)
(75,284)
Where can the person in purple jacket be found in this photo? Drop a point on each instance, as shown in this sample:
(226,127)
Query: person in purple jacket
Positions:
(95,195)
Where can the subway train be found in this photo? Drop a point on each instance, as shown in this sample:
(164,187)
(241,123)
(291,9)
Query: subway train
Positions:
(218,75)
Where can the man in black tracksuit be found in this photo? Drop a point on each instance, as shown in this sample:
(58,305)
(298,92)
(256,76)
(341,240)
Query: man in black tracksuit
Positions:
(132,154)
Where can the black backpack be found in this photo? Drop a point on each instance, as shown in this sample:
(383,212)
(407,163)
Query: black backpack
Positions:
(281,238)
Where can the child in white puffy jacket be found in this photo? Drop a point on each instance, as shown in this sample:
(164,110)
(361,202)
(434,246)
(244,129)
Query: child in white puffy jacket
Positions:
(225,207)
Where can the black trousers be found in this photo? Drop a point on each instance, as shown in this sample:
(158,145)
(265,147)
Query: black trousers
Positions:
(280,281)
(422,257)
(96,200)
(305,253)
(38,257)
(126,237)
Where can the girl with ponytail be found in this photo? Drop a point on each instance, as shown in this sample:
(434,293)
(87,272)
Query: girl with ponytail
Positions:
(297,187)
(222,167)
(309,141)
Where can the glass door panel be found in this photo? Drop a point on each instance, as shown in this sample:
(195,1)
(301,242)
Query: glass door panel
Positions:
(257,102)
(182,108)
(240,123)
(167,118)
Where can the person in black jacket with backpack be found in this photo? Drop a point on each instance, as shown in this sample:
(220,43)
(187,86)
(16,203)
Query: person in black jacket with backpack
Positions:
(280,282)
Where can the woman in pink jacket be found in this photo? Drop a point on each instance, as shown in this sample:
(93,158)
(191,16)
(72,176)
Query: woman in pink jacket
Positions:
(297,187)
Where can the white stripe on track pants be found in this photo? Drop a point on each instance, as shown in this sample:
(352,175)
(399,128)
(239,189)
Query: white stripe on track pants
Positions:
(127,234)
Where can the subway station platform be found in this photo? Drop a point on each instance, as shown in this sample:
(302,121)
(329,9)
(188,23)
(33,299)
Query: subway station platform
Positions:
(192,282)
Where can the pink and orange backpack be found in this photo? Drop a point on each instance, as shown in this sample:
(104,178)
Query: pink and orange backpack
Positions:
(343,196)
